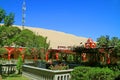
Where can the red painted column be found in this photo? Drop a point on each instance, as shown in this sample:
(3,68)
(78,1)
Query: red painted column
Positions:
(57,56)
(84,56)
(9,54)
(46,56)
(35,57)
(9,49)
(23,57)
(108,58)
(21,49)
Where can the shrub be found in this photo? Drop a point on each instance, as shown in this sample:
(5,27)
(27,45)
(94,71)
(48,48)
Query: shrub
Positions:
(59,67)
(88,73)
(115,68)
(101,74)
(70,58)
(80,73)
(2,51)
(19,65)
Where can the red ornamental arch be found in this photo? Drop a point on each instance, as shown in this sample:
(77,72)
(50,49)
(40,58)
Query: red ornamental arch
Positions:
(11,49)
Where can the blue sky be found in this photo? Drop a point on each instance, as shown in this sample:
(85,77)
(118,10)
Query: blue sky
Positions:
(86,18)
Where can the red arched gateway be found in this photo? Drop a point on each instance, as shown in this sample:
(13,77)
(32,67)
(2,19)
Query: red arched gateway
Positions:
(11,49)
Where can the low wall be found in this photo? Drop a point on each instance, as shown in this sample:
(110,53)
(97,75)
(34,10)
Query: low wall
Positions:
(45,74)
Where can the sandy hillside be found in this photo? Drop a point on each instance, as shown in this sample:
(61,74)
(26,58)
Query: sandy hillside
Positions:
(57,38)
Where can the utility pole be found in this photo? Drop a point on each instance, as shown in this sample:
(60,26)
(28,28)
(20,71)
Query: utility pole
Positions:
(23,14)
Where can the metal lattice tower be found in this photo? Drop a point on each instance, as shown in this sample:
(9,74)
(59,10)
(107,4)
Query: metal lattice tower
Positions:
(23,13)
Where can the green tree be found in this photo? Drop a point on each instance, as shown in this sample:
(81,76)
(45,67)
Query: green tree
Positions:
(45,46)
(7,35)
(13,36)
(79,50)
(109,45)
(25,38)
(2,35)
(36,45)
(40,46)
(2,14)
(9,20)
(115,42)
(118,48)
(2,51)
(104,42)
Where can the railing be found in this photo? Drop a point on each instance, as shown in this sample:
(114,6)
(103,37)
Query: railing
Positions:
(45,74)
(14,61)
(7,69)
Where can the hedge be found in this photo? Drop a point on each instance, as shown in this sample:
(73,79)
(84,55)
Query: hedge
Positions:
(92,73)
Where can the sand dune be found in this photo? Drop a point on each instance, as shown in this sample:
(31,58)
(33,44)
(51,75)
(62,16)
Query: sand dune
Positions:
(57,38)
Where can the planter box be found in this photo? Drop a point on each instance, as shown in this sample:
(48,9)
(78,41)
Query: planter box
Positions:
(46,74)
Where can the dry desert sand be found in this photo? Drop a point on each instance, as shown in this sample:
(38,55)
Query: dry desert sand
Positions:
(58,38)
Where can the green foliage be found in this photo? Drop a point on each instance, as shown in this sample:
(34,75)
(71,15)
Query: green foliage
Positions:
(33,43)
(13,36)
(111,46)
(2,14)
(25,38)
(78,49)
(2,35)
(2,51)
(19,64)
(59,67)
(7,35)
(70,57)
(116,50)
(88,73)
(103,41)
(101,74)
(115,68)
(14,77)
(80,73)
(9,20)
(45,47)
(114,41)
(26,51)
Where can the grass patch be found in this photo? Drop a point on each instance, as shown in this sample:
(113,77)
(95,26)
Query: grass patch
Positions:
(14,77)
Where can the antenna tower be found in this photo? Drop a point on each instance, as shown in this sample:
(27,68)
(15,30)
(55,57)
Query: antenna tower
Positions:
(23,14)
